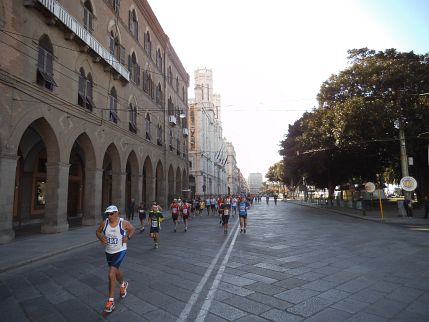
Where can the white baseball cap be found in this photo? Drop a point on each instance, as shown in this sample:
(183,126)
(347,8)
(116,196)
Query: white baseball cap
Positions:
(111,208)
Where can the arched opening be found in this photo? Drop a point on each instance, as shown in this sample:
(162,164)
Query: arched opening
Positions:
(147,186)
(131,186)
(36,188)
(111,186)
(76,185)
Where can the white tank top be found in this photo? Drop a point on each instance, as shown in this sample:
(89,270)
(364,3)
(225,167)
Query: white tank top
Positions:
(114,236)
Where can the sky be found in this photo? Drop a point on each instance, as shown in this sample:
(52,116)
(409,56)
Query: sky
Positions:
(269,58)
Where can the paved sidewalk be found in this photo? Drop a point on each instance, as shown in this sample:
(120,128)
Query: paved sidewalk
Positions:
(29,249)
(390,214)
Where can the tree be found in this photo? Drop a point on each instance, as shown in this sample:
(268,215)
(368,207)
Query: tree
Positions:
(352,136)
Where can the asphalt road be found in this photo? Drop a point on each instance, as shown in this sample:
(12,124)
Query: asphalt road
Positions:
(294,263)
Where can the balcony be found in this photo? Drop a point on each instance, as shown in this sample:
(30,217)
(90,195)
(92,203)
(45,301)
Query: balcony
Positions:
(83,34)
(185,132)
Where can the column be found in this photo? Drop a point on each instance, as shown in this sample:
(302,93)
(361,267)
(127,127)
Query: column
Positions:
(118,191)
(93,196)
(7,193)
(57,183)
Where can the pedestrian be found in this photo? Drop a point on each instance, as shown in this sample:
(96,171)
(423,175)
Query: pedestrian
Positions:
(267,198)
(225,218)
(242,214)
(115,233)
(275,200)
(155,219)
(426,207)
(185,214)
(202,205)
(141,210)
(174,207)
(131,210)
(234,204)
(407,206)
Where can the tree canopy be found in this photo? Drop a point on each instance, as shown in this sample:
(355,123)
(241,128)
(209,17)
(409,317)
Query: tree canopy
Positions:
(353,134)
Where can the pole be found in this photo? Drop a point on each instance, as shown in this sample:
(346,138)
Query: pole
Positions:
(381,204)
(404,158)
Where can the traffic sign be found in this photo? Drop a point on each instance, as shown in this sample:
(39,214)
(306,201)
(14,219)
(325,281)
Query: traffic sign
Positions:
(408,183)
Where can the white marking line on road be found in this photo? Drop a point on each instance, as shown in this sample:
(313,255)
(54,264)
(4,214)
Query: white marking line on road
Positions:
(185,313)
(209,299)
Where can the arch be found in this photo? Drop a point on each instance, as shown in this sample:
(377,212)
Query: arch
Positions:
(37,190)
(159,183)
(111,182)
(131,183)
(148,182)
(82,189)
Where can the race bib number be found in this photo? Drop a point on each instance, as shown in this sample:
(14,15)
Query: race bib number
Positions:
(174,210)
(112,240)
(185,211)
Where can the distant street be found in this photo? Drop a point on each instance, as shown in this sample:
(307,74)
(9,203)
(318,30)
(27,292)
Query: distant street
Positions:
(294,264)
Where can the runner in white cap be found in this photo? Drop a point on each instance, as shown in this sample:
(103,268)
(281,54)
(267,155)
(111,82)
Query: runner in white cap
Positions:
(114,233)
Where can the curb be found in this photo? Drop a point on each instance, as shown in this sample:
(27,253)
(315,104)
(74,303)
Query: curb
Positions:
(376,220)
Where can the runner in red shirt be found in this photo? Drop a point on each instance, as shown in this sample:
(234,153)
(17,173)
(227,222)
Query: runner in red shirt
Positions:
(175,213)
(185,214)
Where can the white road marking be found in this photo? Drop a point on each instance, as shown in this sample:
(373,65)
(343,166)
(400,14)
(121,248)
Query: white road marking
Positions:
(187,309)
(208,301)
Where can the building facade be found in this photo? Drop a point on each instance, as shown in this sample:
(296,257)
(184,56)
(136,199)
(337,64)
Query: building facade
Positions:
(255,182)
(207,146)
(93,96)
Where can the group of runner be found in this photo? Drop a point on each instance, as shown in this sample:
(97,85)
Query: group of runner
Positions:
(114,232)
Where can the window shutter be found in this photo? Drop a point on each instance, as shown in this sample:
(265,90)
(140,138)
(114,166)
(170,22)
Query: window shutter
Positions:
(122,54)
(41,59)
(130,26)
(85,18)
(89,89)
(111,44)
(137,74)
(49,64)
(82,83)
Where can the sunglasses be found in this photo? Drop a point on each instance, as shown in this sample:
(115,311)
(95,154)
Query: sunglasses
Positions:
(110,213)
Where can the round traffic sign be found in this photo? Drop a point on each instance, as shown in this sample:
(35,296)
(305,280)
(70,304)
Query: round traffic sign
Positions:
(408,183)
(369,187)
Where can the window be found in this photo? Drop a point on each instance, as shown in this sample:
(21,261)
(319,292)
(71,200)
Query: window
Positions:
(178,146)
(115,48)
(170,106)
(159,135)
(134,69)
(133,24)
(113,106)
(148,44)
(85,91)
(148,85)
(133,118)
(147,120)
(45,68)
(177,84)
(170,75)
(159,60)
(115,4)
(158,97)
(88,16)
(183,94)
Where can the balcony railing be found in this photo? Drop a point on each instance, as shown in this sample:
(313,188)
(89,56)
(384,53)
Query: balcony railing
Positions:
(79,30)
